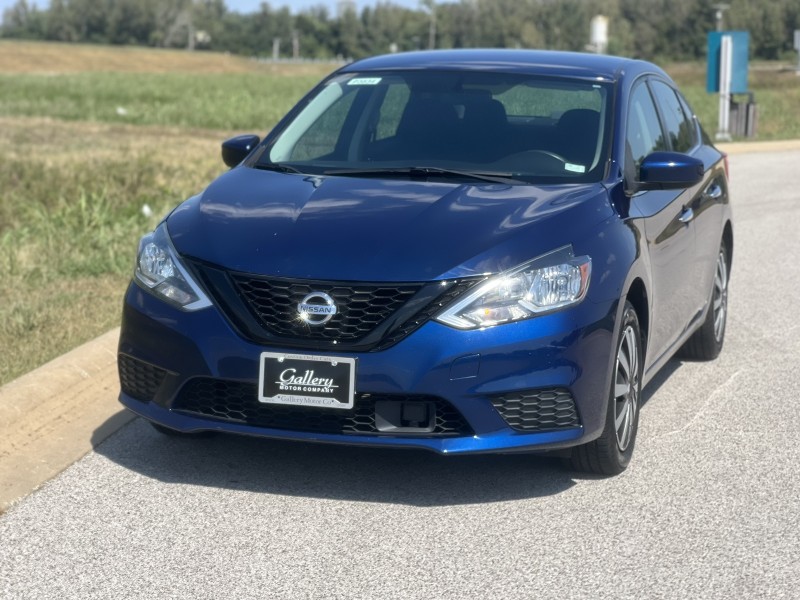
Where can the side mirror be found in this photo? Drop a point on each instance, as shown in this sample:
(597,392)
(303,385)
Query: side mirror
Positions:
(669,171)
(237,148)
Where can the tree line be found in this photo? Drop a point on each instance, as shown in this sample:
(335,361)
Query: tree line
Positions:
(650,29)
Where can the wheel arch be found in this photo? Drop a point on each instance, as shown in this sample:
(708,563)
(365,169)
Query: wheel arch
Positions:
(637,296)
(727,239)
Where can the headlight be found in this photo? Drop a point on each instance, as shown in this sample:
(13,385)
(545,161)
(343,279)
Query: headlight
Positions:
(547,283)
(159,270)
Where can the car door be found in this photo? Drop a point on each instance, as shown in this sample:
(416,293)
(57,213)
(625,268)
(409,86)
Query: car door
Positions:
(683,136)
(707,205)
(668,227)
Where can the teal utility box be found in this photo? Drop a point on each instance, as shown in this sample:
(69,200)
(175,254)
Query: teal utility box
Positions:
(739,62)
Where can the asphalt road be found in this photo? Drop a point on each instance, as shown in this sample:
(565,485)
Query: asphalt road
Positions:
(710,507)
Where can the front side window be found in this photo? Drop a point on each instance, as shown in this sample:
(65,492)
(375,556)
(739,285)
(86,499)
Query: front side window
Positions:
(524,127)
(643,131)
(679,124)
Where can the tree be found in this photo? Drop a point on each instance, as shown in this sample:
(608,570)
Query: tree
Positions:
(23,21)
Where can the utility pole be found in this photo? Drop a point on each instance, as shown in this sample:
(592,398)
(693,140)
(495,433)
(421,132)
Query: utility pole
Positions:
(797,47)
(430,7)
(720,10)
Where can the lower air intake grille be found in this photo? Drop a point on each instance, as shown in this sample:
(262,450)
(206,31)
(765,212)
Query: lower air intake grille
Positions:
(537,410)
(237,402)
(139,379)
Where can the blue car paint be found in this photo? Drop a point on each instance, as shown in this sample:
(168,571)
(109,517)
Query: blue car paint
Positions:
(268,219)
(372,229)
(419,364)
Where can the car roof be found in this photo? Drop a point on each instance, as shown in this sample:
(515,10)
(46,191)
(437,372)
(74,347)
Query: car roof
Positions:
(540,62)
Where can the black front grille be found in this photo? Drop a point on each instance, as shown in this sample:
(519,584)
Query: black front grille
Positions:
(369,316)
(237,402)
(139,379)
(426,314)
(537,410)
(361,307)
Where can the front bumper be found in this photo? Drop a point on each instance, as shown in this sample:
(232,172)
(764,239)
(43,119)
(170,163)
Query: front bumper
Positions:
(569,350)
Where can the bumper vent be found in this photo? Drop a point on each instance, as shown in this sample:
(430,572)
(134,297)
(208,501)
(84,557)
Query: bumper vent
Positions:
(236,402)
(139,379)
(537,410)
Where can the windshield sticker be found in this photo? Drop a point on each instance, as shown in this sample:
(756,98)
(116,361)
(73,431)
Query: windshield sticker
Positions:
(364,81)
(574,168)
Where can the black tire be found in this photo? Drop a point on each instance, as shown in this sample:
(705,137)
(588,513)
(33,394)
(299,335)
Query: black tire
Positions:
(611,453)
(178,434)
(706,343)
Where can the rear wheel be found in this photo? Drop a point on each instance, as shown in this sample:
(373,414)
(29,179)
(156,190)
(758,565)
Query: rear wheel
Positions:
(706,342)
(611,453)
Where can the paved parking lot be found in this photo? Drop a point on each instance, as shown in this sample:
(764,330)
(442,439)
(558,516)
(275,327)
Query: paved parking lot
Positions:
(710,507)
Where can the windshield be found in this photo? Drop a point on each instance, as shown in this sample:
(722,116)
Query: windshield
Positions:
(519,126)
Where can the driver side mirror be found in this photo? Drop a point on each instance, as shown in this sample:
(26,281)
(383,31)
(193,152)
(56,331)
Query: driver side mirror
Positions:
(669,171)
(236,149)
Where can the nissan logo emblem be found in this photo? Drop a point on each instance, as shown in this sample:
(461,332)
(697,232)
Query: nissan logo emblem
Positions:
(317,308)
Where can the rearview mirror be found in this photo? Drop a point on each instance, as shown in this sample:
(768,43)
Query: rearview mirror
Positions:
(237,148)
(669,171)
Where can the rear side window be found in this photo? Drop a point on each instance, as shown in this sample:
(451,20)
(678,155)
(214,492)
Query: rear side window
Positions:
(551,102)
(677,120)
(644,134)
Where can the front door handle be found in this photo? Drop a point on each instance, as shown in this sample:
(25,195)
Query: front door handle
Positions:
(714,191)
(687,215)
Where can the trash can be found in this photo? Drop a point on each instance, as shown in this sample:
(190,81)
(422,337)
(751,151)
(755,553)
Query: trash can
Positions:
(744,116)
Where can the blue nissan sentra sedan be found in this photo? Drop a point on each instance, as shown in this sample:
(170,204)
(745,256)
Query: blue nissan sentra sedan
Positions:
(463,251)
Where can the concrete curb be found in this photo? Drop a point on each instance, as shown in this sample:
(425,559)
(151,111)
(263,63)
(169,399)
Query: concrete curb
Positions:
(751,147)
(54,415)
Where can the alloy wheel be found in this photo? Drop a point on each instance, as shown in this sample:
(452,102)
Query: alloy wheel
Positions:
(626,388)
(720,302)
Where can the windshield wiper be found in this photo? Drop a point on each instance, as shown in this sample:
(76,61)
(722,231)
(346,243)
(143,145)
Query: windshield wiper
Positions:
(280,168)
(424,172)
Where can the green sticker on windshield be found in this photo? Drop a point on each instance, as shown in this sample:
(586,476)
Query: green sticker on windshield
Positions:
(575,168)
(364,81)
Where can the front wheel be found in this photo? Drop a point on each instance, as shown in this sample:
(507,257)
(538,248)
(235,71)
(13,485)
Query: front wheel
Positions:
(611,453)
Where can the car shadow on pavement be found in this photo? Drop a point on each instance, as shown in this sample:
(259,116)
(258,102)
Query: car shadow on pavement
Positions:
(660,379)
(413,477)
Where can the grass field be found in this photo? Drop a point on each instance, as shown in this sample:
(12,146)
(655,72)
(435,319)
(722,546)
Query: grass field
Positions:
(90,134)
(71,213)
(777,94)
(75,174)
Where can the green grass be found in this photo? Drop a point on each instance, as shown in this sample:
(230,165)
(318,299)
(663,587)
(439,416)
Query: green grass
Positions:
(76,171)
(251,101)
(777,94)
(255,101)
(70,219)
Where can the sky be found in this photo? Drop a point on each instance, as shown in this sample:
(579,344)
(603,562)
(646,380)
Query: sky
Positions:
(248,6)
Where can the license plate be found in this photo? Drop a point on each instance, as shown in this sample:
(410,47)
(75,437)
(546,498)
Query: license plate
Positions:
(306,380)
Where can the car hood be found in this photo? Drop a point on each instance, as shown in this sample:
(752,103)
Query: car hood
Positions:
(370,229)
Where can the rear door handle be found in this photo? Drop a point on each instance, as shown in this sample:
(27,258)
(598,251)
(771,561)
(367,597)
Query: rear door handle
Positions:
(687,215)
(714,191)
